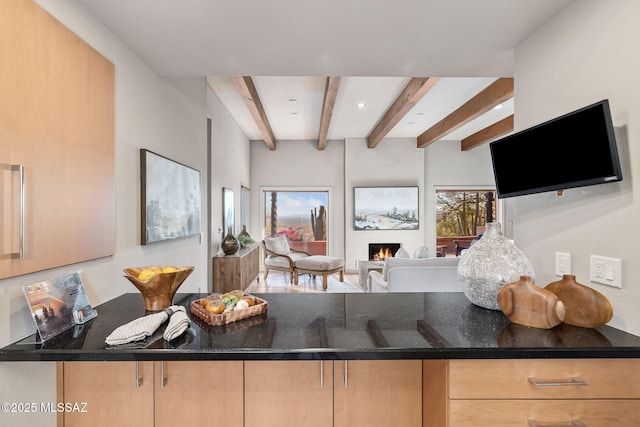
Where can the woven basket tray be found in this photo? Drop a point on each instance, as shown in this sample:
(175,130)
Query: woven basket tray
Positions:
(225,318)
(238,325)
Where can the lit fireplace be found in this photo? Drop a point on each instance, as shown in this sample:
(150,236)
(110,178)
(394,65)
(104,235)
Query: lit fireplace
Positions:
(382,254)
(380,251)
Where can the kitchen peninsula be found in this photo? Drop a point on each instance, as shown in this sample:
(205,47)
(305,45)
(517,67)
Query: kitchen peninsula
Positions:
(432,359)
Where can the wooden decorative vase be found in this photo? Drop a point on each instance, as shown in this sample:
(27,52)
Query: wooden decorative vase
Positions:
(584,306)
(159,289)
(527,304)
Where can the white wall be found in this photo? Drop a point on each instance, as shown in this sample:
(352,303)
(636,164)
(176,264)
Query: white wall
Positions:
(394,162)
(167,116)
(229,165)
(344,165)
(300,165)
(587,53)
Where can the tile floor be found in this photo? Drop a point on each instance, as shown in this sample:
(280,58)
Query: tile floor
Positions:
(279,282)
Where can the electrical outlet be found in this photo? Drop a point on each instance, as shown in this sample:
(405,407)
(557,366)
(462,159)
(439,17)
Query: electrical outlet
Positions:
(606,271)
(563,263)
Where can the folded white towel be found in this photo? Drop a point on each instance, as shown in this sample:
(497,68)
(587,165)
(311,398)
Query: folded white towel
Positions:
(140,328)
(178,323)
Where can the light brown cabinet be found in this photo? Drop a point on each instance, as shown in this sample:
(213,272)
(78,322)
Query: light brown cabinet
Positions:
(153,393)
(236,271)
(199,393)
(57,186)
(534,413)
(288,393)
(377,393)
(371,393)
(367,393)
(594,392)
(116,393)
(250,393)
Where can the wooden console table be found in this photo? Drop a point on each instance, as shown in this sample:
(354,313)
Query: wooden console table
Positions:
(236,271)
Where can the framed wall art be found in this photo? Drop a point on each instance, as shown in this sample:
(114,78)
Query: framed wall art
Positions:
(386,208)
(170,199)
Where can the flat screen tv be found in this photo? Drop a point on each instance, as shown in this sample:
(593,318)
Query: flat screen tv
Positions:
(573,150)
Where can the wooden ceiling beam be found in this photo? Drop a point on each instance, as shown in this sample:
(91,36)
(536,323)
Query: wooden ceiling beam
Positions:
(330,93)
(249,94)
(497,129)
(410,95)
(494,94)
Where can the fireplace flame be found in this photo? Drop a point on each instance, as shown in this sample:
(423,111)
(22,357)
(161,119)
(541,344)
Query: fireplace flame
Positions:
(382,254)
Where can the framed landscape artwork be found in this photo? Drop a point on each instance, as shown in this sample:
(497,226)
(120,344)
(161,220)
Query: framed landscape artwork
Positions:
(170,199)
(386,208)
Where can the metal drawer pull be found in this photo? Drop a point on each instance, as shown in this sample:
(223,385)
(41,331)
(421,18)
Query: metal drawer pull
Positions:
(20,170)
(572,423)
(139,378)
(322,374)
(346,373)
(163,378)
(574,381)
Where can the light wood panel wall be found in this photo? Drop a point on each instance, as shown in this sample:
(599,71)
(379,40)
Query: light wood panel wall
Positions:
(57,119)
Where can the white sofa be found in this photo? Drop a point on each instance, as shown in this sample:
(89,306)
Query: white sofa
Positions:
(416,275)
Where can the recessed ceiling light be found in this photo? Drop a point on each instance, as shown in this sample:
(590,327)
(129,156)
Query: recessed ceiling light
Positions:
(294,114)
(361,105)
(497,107)
(419,114)
(411,123)
(292,101)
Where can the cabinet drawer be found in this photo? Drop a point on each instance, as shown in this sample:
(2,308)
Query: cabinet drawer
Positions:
(506,413)
(512,379)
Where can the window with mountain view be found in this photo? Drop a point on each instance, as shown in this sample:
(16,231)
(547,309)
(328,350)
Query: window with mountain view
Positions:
(301,216)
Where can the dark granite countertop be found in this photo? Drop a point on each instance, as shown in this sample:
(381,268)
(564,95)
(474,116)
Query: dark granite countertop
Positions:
(333,326)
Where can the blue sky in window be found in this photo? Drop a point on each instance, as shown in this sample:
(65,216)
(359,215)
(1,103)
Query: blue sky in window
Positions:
(297,202)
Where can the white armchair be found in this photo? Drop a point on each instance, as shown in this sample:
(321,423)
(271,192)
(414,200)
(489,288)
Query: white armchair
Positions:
(278,255)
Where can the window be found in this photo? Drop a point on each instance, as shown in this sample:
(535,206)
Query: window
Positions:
(461,216)
(301,216)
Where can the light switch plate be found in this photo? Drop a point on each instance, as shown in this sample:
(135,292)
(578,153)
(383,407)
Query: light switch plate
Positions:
(563,263)
(606,271)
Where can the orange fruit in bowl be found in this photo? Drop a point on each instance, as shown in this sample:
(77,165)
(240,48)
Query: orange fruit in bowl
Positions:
(146,274)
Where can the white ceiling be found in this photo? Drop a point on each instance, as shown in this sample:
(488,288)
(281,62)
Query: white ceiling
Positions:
(289,46)
(347,120)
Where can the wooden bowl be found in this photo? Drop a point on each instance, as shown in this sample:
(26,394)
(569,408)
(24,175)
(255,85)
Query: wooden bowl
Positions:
(158,291)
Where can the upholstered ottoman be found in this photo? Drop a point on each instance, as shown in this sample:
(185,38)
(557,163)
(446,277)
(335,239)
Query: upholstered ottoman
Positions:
(319,265)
